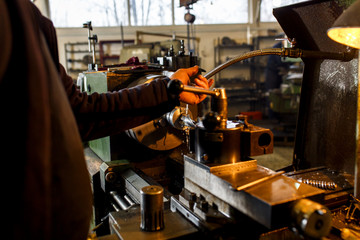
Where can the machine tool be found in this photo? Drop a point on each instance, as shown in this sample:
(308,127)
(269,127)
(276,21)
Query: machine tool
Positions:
(213,188)
(221,183)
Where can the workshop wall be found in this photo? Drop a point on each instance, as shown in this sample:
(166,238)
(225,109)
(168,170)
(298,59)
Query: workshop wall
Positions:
(208,35)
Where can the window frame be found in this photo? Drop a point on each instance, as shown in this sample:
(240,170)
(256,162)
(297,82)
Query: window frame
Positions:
(253,13)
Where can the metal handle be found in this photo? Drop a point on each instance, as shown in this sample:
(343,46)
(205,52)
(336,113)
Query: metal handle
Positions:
(176,87)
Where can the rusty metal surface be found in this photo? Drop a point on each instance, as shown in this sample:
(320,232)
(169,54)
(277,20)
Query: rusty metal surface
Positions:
(327,116)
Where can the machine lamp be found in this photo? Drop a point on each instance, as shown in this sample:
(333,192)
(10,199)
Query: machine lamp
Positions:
(346,29)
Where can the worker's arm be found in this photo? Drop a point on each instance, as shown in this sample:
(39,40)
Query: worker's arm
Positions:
(104,114)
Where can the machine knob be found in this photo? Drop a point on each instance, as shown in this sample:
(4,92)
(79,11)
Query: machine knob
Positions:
(175,87)
(311,218)
(152,208)
(211,121)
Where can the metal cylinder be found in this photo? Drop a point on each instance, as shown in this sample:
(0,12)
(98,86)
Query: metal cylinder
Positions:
(152,208)
(120,201)
(311,218)
(221,146)
(221,107)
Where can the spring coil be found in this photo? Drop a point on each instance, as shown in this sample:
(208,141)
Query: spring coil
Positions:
(326,185)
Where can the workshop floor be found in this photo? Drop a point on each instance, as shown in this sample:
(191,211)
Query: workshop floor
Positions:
(280,158)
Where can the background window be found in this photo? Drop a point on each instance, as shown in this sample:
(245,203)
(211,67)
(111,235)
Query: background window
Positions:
(103,13)
(150,12)
(266,8)
(214,12)
(73,13)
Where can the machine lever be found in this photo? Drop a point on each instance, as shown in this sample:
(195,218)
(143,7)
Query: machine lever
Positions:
(176,87)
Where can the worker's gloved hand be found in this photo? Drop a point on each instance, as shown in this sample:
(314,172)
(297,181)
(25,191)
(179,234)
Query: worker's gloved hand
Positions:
(184,75)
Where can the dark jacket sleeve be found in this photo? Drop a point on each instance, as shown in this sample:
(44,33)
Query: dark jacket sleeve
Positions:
(103,114)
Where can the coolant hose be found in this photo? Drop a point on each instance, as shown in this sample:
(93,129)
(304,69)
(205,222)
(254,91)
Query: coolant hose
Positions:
(286,52)
(261,52)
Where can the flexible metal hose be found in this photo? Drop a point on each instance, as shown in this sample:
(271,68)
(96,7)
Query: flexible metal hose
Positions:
(261,52)
(286,52)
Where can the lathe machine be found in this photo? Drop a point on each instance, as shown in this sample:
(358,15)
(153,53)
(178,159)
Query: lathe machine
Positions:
(207,184)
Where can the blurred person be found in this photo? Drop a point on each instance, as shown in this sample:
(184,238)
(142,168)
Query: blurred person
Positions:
(45,119)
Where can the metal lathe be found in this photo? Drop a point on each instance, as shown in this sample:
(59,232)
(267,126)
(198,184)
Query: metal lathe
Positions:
(194,175)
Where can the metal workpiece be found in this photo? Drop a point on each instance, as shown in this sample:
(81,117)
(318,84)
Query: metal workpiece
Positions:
(152,208)
(125,225)
(180,118)
(268,203)
(220,104)
(311,219)
(218,146)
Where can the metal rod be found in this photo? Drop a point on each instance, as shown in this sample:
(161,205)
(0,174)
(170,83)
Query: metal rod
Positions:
(115,207)
(200,90)
(94,41)
(119,200)
(129,200)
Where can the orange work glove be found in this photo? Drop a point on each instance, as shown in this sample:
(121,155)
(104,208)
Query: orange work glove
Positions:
(184,75)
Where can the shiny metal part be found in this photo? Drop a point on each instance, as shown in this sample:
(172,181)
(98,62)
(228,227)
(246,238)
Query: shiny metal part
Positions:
(326,185)
(133,184)
(268,203)
(198,212)
(180,118)
(232,144)
(122,202)
(152,208)
(311,218)
(219,94)
(218,146)
(125,224)
(157,135)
